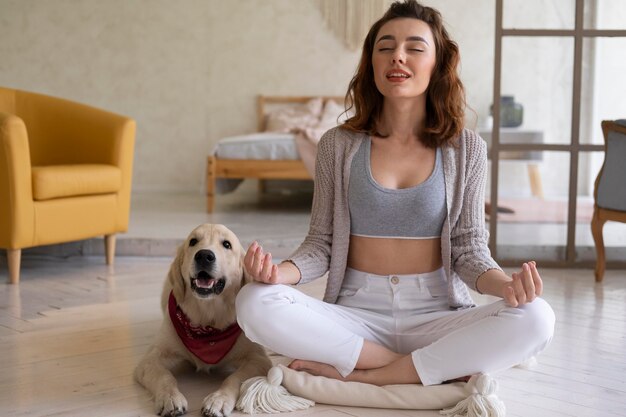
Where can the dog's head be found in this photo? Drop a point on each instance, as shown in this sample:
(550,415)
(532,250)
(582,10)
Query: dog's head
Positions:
(208,263)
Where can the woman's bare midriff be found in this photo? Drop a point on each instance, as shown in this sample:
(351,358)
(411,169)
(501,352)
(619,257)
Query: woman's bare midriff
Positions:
(383,256)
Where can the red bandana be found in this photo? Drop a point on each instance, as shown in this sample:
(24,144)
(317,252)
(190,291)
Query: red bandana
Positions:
(209,344)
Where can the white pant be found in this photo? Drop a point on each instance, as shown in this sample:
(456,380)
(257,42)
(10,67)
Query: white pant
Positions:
(404,313)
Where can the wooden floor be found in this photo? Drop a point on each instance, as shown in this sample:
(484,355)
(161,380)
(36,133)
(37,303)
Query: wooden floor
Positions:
(73,330)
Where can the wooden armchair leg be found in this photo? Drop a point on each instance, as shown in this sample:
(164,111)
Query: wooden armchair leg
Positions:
(14,257)
(596,230)
(109,248)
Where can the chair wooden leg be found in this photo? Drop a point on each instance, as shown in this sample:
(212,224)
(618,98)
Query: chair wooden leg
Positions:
(596,230)
(109,248)
(210,203)
(535,180)
(14,257)
(262,187)
(210,184)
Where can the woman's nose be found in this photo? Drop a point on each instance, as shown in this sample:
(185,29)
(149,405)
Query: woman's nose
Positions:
(398,57)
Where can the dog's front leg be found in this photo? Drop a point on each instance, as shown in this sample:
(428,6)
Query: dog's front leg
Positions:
(222,402)
(153,372)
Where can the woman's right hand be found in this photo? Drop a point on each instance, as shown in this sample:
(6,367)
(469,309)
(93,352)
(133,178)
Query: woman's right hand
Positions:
(259,265)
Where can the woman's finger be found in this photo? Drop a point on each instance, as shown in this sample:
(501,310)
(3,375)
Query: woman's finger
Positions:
(274,276)
(509,295)
(518,287)
(536,279)
(266,272)
(528,283)
(257,263)
(249,257)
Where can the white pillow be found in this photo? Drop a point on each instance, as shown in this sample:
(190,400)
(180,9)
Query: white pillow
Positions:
(356,394)
(295,117)
(472,399)
(332,115)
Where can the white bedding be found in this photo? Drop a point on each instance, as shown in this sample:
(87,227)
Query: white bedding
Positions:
(264,145)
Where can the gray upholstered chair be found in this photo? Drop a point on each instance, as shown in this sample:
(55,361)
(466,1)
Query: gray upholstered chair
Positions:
(610,187)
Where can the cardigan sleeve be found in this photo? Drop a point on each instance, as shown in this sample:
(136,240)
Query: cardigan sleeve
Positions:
(471,256)
(312,257)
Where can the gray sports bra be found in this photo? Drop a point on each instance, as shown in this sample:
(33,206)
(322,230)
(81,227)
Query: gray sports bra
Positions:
(417,212)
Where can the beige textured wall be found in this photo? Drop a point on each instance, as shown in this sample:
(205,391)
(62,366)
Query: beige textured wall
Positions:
(188,71)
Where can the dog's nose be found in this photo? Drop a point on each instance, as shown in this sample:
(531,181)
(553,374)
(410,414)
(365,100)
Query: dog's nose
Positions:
(204,257)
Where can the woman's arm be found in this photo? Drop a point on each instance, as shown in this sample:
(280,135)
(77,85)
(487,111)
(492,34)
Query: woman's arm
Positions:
(469,237)
(312,258)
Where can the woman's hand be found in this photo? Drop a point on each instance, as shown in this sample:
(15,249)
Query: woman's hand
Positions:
(525,287)
(259,265)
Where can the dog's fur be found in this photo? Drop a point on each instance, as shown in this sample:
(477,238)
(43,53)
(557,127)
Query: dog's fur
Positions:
(210,305)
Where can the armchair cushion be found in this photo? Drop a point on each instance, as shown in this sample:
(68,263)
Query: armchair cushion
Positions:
(56,181)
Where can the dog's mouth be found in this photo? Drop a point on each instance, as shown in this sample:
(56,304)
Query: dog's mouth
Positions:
(204,284)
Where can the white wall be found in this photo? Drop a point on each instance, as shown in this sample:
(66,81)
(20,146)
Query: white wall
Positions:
(189,71)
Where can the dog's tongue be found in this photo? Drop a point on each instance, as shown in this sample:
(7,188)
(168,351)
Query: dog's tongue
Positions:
(205,282)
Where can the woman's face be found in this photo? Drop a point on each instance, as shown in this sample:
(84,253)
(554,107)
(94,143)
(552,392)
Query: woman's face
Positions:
(403,58)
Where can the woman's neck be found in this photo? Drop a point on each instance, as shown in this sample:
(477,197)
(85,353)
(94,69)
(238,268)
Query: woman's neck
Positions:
(403,119)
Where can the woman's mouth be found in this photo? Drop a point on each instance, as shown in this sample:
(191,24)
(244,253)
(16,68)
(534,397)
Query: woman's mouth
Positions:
(397,75)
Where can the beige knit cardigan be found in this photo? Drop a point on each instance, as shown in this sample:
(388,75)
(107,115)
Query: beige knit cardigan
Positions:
(464,237)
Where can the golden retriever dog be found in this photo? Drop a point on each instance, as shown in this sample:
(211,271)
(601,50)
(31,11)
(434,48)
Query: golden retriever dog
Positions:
(200,324)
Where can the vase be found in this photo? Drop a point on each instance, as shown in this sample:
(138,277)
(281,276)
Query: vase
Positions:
(511,112)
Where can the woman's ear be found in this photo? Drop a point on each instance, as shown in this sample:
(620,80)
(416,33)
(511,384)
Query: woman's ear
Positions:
(175,275)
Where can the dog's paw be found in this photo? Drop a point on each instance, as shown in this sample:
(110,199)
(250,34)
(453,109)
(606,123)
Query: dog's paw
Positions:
(172,404)
(218,404)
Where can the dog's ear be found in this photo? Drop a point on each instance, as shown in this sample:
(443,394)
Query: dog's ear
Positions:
(175,275)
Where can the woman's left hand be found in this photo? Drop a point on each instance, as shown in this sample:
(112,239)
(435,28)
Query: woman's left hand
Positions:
(525,287)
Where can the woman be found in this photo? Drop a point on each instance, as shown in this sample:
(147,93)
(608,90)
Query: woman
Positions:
(398,223)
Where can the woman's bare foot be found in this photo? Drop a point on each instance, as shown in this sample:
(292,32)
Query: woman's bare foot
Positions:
(401,371)
(317,369)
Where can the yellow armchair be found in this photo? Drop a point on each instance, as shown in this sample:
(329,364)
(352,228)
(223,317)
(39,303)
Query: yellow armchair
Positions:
(65,173)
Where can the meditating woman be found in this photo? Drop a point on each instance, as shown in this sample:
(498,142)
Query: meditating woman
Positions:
(398,223)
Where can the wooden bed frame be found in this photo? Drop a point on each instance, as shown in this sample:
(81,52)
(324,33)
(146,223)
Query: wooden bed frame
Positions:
(261,169)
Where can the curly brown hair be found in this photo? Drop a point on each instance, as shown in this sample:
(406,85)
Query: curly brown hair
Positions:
(445,101)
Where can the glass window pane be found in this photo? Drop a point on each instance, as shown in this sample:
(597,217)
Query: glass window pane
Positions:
(538,14)
(532,207)
(603,85)
(605,14)
(538,74)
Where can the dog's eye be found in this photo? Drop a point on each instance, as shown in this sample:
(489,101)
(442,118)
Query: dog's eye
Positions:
(227,244)
(193,242)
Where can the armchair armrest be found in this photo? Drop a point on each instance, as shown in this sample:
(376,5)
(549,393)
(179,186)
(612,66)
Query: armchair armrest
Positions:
(16,211)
